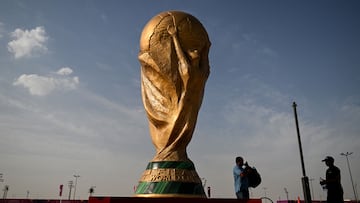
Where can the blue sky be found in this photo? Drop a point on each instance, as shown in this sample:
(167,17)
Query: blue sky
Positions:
(70,97)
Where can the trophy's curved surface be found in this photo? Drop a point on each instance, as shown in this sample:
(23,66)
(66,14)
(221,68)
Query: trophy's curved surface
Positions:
(174,49)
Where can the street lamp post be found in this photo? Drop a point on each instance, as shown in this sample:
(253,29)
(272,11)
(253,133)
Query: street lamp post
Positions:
(352,182)
(76,177)
(304,179)
(71,183)
(287,194)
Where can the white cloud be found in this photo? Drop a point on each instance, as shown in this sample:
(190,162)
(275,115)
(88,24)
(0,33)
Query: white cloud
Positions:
(28,43)
(44,85)
(64,71)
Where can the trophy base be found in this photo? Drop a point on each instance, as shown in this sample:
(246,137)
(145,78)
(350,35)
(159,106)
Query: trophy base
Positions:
(170,179)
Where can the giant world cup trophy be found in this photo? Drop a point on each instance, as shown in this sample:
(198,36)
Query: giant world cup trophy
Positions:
(174,49)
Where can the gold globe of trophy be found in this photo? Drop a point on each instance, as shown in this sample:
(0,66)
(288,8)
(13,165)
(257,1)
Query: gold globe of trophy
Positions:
(174,49)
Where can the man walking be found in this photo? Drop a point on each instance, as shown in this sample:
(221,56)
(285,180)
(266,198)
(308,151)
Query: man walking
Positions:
(241,181)
(333,182)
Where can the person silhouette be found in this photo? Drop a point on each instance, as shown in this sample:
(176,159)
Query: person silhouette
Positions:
(332,182)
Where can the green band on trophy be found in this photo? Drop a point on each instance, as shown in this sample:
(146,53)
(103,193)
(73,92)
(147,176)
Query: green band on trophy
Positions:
(170,188)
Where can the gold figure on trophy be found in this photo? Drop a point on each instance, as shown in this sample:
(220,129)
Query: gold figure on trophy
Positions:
(174,49)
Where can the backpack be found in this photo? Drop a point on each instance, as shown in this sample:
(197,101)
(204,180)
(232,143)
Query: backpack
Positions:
(253,176)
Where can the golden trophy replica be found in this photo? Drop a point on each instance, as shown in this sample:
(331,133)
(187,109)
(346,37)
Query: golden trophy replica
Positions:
(174,49)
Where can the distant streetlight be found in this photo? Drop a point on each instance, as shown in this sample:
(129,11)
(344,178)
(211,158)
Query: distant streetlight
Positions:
(76,177)
(70,183)
(352,182)
(287,194)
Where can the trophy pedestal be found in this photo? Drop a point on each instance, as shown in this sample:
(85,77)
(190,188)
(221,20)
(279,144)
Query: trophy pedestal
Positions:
(170,179)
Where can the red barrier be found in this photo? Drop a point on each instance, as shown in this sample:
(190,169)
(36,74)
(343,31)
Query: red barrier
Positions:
(41,201)
(166,200)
